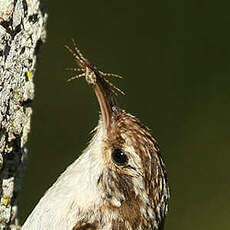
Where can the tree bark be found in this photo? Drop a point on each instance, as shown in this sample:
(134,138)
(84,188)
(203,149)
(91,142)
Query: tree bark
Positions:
(22,31)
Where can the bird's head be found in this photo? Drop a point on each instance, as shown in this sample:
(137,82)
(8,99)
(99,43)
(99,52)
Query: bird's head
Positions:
(133,180)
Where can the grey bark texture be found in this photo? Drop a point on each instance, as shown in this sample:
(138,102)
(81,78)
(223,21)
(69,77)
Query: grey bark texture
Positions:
(22,30)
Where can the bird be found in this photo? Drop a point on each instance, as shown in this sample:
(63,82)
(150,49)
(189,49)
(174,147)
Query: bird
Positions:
(119,182)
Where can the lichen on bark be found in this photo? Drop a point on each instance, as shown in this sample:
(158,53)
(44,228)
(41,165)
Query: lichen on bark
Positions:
(22,30)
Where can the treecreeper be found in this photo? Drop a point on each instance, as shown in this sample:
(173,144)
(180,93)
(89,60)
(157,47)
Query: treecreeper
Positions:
(118,183)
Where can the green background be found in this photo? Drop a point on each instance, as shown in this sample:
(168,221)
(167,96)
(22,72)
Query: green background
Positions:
(174,57)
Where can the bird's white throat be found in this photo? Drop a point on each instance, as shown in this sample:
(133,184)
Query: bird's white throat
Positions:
(74,191)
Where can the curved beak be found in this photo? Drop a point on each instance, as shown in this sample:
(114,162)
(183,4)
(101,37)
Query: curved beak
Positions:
(104,90)
(106,100)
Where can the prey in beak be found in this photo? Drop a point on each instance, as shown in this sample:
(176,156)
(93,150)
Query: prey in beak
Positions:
(104,90)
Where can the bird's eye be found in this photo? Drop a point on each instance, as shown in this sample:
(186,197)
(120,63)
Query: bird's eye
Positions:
(119,157)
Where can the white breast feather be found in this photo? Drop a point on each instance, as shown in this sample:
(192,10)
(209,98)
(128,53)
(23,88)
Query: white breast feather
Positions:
(73,192)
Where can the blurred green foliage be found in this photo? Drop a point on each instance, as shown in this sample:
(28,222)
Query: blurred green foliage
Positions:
(174,56)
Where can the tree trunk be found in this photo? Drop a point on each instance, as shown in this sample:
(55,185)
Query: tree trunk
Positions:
(22,31)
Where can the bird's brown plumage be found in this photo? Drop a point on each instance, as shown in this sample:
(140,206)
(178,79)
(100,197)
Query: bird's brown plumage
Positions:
(141,208)
(118,183)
